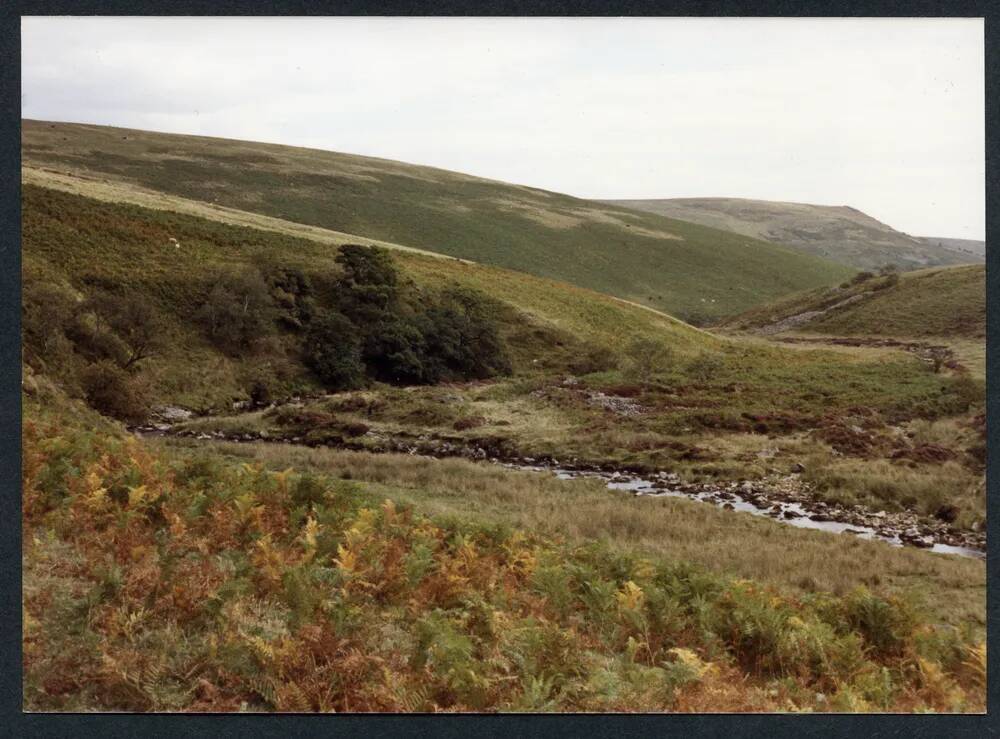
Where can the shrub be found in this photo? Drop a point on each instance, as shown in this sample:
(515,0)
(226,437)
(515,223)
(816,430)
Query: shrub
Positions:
(886,626)
(46,310)
(460,340)
(368,288)
(705,366)
(408,339)
(646,357)
(594,359)
(92,339)
(967,391)
(292,293)
(112,391)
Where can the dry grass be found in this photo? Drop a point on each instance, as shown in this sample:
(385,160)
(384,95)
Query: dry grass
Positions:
(583,510)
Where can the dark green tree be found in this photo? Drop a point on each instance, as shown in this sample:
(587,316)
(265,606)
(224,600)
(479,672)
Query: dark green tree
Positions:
(332,349)
(238,312)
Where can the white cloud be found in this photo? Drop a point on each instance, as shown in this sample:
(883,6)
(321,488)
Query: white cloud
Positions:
(886,115)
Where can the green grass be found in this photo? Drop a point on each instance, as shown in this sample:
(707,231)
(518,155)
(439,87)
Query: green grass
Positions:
(669,265)
(551,328)
(942,302)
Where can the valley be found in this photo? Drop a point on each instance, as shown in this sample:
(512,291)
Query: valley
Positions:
(290,448)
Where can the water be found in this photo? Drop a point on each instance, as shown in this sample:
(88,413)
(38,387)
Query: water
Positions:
(789,513)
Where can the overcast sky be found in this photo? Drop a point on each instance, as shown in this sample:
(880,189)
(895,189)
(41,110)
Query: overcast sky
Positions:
(884,115)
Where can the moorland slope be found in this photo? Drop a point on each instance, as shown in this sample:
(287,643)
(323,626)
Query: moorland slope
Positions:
(663,263)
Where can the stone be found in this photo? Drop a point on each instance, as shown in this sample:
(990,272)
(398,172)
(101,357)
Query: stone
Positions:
(173,413)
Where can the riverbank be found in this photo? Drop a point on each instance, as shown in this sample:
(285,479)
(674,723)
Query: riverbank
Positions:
(784,498)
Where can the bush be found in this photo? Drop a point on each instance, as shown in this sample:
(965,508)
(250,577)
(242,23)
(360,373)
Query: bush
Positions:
(705,366)
(646,357)
(112,391)
(594,359)
(292,293)
(46,311)
(415,339)
(92,339)
(461,341)
(332,349)
(368,289)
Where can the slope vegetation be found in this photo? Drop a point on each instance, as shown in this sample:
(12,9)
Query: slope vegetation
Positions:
(663,263)
(76,247)
(973,247)
(937,302)
(838,233)
(158,582)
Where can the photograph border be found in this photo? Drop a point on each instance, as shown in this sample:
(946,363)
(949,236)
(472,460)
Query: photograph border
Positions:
(16,723)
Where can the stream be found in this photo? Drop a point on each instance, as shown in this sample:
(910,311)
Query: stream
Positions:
(787,504)
(788,512)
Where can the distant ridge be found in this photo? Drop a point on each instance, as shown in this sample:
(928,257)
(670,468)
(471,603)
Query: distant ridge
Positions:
(839,233)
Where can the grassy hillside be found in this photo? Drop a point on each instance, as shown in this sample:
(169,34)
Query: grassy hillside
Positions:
(86,245)
(840,234)
(973,247)
(939,302)
(659,262)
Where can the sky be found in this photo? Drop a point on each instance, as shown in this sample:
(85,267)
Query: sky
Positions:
(885,115)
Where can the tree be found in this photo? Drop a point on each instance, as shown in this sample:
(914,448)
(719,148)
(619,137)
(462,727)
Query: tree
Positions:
(46,311)
(461,339)
(238,312)
(134,322)
(332,349)
(368,288)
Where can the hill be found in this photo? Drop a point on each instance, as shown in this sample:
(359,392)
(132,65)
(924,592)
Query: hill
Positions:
(938,302)
(76,247)
(666,264)
(838,233)
(973,247)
